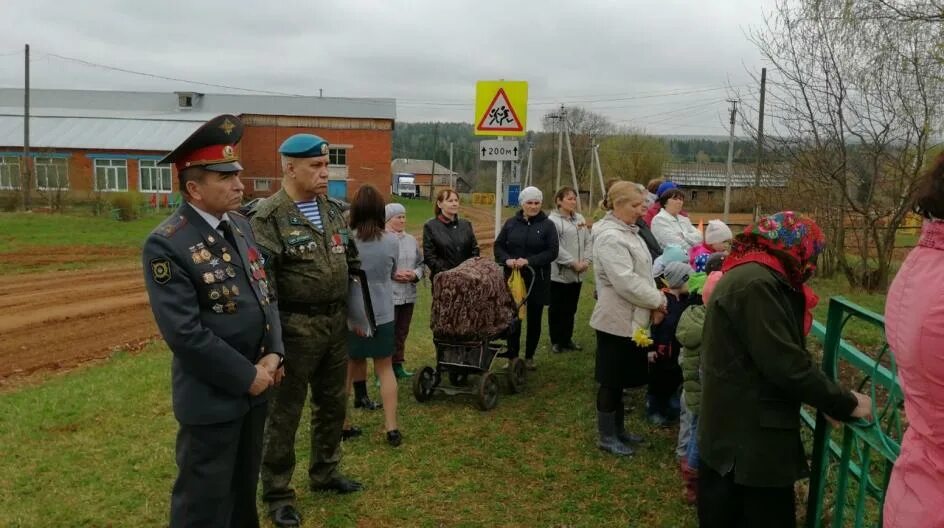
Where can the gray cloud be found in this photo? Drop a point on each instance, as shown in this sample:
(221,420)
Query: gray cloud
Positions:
(426,54)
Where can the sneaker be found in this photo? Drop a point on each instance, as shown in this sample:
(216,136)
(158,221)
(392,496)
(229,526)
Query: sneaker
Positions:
(401,372)
(573,346)
(367,404)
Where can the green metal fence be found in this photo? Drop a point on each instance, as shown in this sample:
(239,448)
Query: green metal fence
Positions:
(851,465)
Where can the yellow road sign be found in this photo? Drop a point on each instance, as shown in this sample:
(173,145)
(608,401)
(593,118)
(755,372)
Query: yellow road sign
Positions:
(501,108)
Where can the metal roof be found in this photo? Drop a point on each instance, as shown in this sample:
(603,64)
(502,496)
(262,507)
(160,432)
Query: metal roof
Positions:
(90,119)
(133,104)
(416,166)
(715,175)
(92,133)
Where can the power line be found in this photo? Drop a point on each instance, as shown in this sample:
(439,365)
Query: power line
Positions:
(164,77)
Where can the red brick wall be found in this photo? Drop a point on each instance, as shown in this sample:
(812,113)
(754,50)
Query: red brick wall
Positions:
(81,169)
(368,159)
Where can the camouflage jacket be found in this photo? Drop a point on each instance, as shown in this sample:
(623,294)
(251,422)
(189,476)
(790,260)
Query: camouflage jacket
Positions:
(305,265)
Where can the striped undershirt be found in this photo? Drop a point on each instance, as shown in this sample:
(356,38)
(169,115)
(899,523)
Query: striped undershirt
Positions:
(311,212)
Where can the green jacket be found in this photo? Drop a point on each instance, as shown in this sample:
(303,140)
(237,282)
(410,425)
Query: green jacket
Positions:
(305,265)
(756,372)
(688,334)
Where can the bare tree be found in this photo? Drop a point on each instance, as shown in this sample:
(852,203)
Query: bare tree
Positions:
(853,103)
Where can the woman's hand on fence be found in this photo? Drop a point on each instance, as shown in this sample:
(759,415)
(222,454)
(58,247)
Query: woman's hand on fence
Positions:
(863,407)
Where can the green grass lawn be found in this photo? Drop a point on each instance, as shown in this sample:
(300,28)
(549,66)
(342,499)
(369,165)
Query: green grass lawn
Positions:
(95,448)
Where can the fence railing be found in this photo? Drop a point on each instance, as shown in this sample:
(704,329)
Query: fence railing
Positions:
(851,465)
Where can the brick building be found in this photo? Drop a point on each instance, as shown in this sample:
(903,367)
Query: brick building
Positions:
(89,142)
(428,176)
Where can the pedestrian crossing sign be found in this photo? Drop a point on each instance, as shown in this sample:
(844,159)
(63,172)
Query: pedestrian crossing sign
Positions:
(501,108)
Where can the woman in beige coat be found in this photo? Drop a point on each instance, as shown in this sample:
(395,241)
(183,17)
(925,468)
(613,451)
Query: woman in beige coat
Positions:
(626,297)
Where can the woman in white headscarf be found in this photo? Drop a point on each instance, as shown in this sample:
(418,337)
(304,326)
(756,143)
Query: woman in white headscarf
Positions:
(528,241)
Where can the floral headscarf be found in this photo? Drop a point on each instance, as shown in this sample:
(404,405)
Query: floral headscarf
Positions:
(792,238)
(787,243)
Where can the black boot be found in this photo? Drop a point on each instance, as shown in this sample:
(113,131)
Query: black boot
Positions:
(621,433)
(606,426)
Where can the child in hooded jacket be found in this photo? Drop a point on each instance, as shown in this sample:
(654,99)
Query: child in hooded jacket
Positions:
(688,334)
(665,375)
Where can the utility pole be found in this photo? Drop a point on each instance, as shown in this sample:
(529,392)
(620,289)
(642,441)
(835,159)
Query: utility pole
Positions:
(727,183)
(530,164)
(760,143)
(562,124)
(573,169)
(452,173)
(27,174)
(593,148)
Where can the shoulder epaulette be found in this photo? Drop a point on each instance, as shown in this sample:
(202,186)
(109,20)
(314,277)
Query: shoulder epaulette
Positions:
(171,225)
(340,204)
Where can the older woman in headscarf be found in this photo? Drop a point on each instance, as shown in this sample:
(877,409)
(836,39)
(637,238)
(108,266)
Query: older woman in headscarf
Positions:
(756,372)
(528,241)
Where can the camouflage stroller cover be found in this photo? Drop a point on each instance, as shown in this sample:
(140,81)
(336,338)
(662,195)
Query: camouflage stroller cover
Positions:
(471,302)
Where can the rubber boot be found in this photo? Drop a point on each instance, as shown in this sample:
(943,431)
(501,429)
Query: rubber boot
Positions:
(627,438)
(606,426)
(690,477)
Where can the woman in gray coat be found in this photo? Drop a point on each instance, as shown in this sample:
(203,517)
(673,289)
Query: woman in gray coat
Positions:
(574,256)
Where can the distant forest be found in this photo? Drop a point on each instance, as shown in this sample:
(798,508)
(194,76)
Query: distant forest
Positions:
(431,141)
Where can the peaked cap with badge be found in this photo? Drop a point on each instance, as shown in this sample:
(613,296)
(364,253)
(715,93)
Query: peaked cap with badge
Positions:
(212,303)
(211,146)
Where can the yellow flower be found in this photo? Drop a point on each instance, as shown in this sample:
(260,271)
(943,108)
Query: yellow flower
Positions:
(641,337)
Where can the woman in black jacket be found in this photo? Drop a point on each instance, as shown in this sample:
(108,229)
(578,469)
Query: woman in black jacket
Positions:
(447,239)
(529,239)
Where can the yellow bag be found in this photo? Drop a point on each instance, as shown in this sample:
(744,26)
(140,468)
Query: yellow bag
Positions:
(518,291)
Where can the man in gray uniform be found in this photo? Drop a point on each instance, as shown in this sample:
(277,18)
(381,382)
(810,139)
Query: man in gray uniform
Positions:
(308,251)
(211,300)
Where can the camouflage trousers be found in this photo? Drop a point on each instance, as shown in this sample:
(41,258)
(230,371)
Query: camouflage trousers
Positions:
(315,359)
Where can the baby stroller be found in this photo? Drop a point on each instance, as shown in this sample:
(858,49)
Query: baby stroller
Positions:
(473,314)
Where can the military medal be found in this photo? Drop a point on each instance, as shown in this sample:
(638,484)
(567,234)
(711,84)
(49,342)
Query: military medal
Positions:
(226,257)
(211,240)
(231,272)
(225,290)
(214,262)
(230,307)
(218,308)
(235,290)
(196,258)
(205,255)
(209,278)
(215,294)
(219,274)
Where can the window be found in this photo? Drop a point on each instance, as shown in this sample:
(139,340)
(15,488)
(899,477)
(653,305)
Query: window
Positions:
(154,178)
(111,175)
(694,195)
(261,185)
(9,173)
(52,174)
(337,156)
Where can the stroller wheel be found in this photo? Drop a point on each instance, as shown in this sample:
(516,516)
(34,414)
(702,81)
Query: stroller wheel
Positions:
(516,375)
(423,384)
(488,392)
(458,379)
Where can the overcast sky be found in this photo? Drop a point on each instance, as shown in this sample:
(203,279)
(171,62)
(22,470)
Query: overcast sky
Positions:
(658,65)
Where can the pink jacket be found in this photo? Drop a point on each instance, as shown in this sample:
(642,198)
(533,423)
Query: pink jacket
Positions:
(914,326)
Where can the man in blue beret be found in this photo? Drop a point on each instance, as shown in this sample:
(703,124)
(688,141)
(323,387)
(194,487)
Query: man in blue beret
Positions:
(308,251)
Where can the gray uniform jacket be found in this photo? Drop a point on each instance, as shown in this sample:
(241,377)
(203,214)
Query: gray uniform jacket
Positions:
(213,308)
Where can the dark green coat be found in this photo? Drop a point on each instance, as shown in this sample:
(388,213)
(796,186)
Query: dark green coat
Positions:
(756,371)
